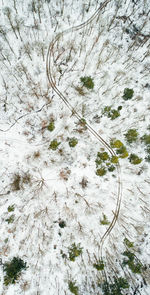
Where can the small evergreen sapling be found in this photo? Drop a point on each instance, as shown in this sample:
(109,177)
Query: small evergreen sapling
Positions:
(51,126)
(131,135)
(101,171)
(104,221)
(87,82)
(73,288)
(115,288)
(134,159)
(128,93)
(54,145)
(146,139)
(99,265)
(74,251)
(128,243)
(13,270)
(136,267)
(73,142)
(11,208)
(10,219)
(111,113)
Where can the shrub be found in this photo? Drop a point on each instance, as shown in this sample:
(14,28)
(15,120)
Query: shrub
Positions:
(62,223)
(111,113)
(122,152)
(104,221)
(73,287)
(87,82)
(116,287)
(74,251)
(10,219)
(82,124)
(54,145)
(119,108)
(134,159)
(16,184)
(101,171)
(146,139)
(135,267)
(103,156)
(111,168)
(128,93)
(26,178)
(13,270)
(124,155)
(116,143)
(73,142)
(131,135)
(128,243)
(51,126)
(106,110)
(99,265)
(114,159)
(98,161)
(114,114)
(11,208)
(120,149)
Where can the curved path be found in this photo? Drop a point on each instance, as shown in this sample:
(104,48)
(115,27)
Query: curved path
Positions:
(49,67)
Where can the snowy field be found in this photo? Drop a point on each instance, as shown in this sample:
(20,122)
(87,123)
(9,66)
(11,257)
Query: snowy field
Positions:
(74,147)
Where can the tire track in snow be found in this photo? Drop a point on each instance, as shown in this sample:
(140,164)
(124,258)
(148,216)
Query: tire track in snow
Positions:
(49,67)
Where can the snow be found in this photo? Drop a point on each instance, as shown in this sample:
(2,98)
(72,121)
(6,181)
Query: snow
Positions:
(112,50)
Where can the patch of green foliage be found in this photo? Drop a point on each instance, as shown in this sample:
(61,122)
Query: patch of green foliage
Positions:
(116,287)
(128,93)
(99,265)
(122,152)
(111,168)
(13,270)
(51,126)
(111,113)
(128,243)
(103,156)
(116,143)
(131,136)
(114,159)
(54,145)
(120,148)
(10,219)
(146,139)
(11,208)
(134,159)
(87,82)
(104,161)
(73,142)
(73,288)
(101,171)
(104,221)
(136,267)
(74,251)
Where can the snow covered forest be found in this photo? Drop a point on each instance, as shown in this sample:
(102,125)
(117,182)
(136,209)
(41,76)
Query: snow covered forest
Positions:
(74,147)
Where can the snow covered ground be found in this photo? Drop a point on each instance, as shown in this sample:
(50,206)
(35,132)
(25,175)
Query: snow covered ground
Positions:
(53,203)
